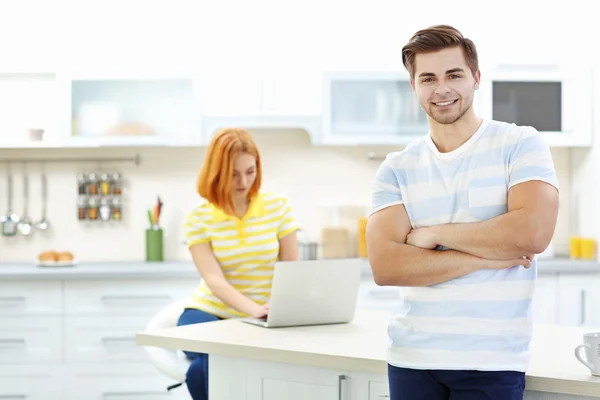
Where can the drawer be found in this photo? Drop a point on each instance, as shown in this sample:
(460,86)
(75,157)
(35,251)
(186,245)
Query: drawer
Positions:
(31,298)
(124,297)
(30,340)
(120,381)
(378,390)
(31,382)
(102,339)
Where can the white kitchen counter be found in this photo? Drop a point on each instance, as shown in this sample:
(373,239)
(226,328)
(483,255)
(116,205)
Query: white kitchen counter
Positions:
(361,346)
(186,269)
(104,270)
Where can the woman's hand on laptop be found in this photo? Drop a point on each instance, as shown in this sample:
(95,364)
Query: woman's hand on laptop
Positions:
(260,311)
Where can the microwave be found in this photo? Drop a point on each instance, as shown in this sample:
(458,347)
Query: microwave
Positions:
(554,99)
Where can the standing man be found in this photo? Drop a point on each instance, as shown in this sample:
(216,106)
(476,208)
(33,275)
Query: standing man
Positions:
(456,219)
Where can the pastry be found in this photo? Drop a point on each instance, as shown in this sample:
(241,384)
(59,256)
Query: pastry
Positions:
(48,256)
(65,256)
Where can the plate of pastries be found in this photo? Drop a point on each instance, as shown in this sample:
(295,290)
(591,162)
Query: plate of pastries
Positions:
(52,258)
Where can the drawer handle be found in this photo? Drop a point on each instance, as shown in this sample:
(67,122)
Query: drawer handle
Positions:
(108,395)
(135,298)
(14,299)
(12,341)
(118,339)
(12,396)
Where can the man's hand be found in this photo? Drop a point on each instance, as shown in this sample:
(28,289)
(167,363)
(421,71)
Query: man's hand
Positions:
(422,237)
(524,261)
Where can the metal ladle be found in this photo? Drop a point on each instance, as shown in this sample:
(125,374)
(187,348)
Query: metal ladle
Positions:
(43,224)
(25,225)
(10,220)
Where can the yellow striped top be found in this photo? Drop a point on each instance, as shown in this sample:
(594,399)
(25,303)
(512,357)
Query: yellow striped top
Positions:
(246,249)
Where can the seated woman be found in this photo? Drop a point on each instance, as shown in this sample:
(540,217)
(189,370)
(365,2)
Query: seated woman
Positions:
(234,238)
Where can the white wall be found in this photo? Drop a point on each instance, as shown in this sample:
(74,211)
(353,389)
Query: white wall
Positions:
(311,176)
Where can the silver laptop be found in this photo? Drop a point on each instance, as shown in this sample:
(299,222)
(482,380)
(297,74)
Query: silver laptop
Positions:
(312,292)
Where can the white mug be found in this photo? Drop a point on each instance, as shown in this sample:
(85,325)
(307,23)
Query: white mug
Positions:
(591,344)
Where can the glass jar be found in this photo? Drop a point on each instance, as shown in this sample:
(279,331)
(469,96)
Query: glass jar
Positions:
(116,209)
(93,209)
(92,183)
(82,208)
(117,183)
(81,181)
(104,209)
(104,184)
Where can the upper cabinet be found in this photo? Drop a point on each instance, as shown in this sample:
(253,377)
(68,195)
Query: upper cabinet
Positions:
(29,108)
(555,100)
(266,100)
(370,109)
(134,111)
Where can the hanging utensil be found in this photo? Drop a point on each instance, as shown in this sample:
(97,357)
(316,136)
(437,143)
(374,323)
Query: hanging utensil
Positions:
(10,220)
(25,225)
(43,224)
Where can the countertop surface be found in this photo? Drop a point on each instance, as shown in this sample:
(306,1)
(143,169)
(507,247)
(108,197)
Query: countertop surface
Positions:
(92,270)
(361,346)
(186,269)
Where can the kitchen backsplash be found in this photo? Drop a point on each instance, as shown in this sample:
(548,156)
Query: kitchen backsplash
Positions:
(314,178)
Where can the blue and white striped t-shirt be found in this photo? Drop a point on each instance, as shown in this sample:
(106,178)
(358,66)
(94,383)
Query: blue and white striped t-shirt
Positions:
(481,321)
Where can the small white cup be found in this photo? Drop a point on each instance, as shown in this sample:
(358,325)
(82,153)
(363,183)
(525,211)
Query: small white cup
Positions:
(591,344)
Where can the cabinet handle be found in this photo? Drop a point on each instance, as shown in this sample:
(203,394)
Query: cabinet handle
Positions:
(12,396)
(135,298)
(12,341)
(583,307)
(341,379)
(118,339)
(384,396)
(108,395)
(14,299)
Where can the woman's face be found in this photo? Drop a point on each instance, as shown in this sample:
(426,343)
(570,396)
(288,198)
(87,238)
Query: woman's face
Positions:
(244,175)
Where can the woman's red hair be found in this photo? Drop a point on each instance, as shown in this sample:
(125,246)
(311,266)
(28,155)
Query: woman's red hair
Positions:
(214,180)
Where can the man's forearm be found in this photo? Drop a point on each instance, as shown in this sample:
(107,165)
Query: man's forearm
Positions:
(406,265)
(504,237)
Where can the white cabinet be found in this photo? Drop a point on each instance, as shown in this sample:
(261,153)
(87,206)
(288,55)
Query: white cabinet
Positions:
(578,299)
(75,339)
(545,299)
(371,109)
(263,380)
(260,94)
(273,381)
(28,101)
(554,99)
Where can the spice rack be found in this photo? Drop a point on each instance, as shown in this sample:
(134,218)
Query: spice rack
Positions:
(99,196)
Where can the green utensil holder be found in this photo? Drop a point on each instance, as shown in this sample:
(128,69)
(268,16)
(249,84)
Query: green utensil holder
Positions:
(154,245)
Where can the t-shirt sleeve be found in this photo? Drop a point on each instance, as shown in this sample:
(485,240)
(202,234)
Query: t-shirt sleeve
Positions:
(385,187)
(288,222)
(196,231)
(531,160)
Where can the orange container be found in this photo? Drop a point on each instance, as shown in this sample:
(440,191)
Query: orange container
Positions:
(362,237)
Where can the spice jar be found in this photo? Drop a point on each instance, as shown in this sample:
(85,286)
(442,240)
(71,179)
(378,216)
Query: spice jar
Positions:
(104,184)
(104,209)
(92,184)
(81,184)
(81,208)
(117,184)
(116,208)
(93,209)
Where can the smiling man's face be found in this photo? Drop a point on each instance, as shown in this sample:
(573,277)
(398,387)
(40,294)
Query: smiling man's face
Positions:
(444,84)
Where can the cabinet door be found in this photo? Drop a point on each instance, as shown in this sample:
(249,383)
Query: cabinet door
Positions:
(28,101)
(272,381)
(578,299)
(231,94)
(293,93)
(375,109)
(545,304)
